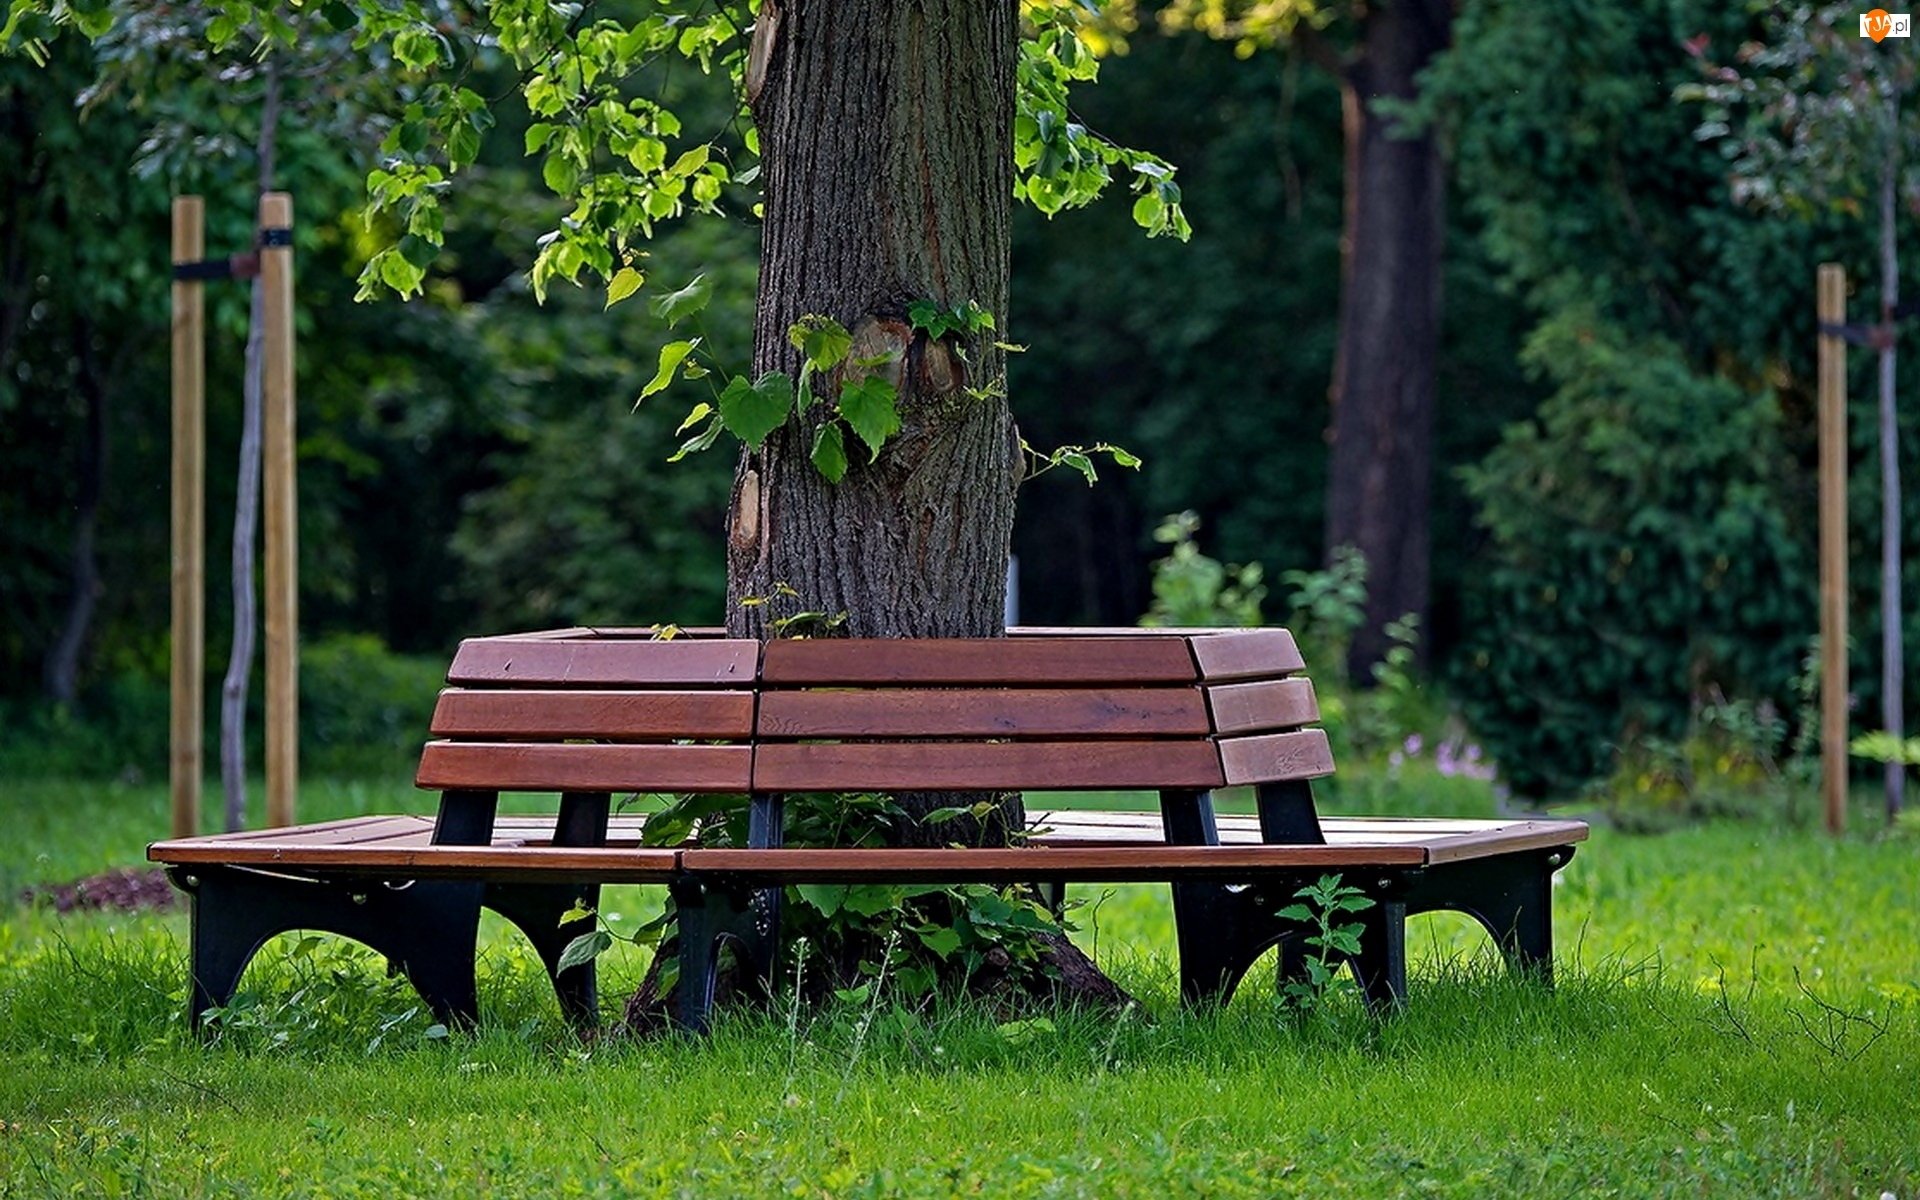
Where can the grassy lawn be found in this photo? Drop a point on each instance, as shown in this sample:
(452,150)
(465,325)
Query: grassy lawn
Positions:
(1738,1014)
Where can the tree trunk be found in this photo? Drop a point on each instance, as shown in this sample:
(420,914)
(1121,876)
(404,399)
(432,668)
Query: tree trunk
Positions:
(246,504)
(1383,379)
(886,132)
(1892,660)
(62,666)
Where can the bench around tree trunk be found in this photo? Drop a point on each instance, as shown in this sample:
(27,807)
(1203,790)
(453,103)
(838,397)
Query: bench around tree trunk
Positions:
(594,713)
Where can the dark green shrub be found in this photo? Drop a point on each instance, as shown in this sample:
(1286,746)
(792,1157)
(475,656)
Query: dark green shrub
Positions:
(1641,554)
(363,708)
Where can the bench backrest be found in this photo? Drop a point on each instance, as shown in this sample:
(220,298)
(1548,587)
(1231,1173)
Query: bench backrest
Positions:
(1120,709)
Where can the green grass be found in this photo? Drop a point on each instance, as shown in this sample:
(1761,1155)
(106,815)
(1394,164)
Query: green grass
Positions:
(1738,1014)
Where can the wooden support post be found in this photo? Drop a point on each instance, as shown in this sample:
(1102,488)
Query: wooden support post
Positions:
(188,520)
(1833,546)
(282,546)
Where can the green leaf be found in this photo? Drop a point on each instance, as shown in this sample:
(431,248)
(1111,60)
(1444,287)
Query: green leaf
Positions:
(703,440)
(822,339)
(560,174)
(584,949)
(463,145)
(577,912)
(827,897)
(830,452)
(685,302)
(871,407)
(690,162)
(871,899)
(671,356)
(1295,912)
(625,282)
(701,412)
(941,939)
(751,411)
(1081,463)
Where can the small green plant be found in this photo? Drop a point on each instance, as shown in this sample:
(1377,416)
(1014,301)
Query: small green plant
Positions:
(1191,589)
(1328,605)
(1330,940)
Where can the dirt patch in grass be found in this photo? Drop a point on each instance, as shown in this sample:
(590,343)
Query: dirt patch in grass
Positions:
(124,889)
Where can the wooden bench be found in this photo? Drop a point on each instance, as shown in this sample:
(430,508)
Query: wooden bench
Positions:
(591,714)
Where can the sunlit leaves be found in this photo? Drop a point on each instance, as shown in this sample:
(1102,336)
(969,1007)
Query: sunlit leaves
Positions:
(823,340)
(671,356)
(685,302)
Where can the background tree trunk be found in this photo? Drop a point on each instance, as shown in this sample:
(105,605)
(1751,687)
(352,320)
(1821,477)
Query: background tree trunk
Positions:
(246,505)
(62,666)
(1892,651)
(1383,380)
(886,132)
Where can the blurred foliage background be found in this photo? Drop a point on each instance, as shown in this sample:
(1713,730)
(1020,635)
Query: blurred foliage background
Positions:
(1622,517)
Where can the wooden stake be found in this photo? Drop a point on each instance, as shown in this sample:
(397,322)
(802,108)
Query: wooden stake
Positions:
(1833,546)
(188,520)
(282,544)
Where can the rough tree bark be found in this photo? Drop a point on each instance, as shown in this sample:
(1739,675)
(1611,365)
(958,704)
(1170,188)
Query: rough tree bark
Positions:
(1383,381)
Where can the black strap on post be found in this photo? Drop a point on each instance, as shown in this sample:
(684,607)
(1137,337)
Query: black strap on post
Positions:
(234,266)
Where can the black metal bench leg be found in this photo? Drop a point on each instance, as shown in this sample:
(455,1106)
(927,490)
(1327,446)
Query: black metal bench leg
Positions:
(1381,966)
(1222,931)
(536,910)
(1510,895)
(429,929)
(710,917)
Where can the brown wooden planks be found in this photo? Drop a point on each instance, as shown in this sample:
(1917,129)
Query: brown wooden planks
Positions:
(606,662)
(959,766)
(565,767)
(1106,863)
(610,864)
(1038,661)
(1246,654)
(615,716)
(962,713)
(1268,704)
(1272,757)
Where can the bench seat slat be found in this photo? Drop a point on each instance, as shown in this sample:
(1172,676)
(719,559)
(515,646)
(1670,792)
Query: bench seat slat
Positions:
(606,662)
(982,712)
(1272,757)
(1039,661)
(972,766)
(504,860)
(615,716)
(566,767)
(1116,864)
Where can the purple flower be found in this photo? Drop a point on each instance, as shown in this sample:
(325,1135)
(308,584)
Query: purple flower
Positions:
(1413,745)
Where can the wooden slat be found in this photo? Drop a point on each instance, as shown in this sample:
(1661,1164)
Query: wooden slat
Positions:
(1510,838)
(958,766)
(565,767)
(1268,704)
(616,716)
(1246,654)
(606,662)
(1272,757)
(1105,863)
(607,864)
(1007,712)
(1032,661)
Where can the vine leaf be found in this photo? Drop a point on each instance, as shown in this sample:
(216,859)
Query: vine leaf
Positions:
(823,340)
(625,282)
(685,302)
(751,411)
(671,356)
(871,407)
(830,452)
